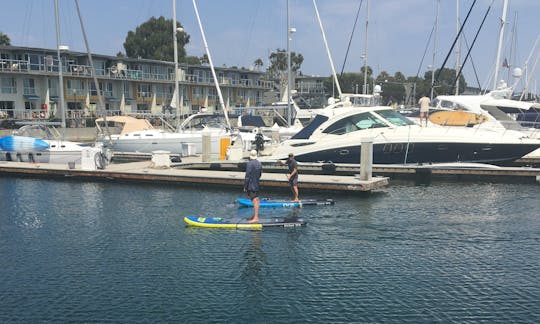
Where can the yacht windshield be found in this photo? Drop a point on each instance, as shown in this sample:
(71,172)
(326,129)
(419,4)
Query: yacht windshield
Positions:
(211,121)
(306,132)
(395,118)
(355,122)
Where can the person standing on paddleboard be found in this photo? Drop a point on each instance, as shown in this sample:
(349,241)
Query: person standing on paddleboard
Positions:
(251,183)
(293,175)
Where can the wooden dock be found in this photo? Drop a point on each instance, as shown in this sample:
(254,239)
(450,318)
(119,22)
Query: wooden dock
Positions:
(465,171)
(145,172)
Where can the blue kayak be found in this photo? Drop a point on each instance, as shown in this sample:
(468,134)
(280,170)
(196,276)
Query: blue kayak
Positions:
(265,202)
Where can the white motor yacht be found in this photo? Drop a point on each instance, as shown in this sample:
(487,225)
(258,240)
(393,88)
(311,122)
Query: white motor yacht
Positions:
(336,135)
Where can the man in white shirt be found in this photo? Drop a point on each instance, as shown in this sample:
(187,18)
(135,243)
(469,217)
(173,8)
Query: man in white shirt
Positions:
(424,108)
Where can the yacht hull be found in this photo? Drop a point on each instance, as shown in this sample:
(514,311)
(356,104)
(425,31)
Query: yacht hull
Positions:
(398,153)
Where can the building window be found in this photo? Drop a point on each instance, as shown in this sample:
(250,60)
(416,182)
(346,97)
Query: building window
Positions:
(6,105)
(212,94)
(9,85)
(53,87)
(128,90)
(144,90)
(29,105)
(29,86)
(197,92)
(142,107)
(75,87)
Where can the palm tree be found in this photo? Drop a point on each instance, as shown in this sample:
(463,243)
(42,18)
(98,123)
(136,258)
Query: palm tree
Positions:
(258,64)
(4,39)
(204,59)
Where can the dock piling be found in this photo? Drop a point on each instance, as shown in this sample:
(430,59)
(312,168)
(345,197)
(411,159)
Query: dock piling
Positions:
(366,159)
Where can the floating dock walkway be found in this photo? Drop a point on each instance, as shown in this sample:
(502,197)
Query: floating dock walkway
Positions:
(145,172)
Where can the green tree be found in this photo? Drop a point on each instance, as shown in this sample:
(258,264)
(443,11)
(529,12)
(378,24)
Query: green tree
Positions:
(154,40)
(4,39)
(258,63)
(278,62)
(204,59)
(393,87)
(192,60)
(445,83)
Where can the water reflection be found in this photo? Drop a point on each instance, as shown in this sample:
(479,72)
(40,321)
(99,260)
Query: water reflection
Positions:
(254,257)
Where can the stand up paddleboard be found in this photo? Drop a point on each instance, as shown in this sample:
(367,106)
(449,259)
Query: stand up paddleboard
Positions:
(14,143)
(239,223)
(285,203)
(457,118)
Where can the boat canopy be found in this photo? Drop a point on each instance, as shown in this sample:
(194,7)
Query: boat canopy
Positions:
(125,124)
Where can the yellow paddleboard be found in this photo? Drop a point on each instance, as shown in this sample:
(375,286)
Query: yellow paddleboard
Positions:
(457,118)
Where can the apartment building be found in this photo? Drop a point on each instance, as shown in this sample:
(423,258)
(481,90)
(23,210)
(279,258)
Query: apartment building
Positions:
(29,85)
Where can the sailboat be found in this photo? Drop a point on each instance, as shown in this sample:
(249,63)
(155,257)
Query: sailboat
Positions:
(188,137)
(35,142)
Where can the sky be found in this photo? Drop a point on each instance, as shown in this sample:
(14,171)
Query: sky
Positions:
(240,31)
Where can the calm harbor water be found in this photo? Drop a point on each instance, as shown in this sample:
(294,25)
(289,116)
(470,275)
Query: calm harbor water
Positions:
(112,252)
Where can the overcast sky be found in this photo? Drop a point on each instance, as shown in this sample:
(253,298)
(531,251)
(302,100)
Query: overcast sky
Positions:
(240,31)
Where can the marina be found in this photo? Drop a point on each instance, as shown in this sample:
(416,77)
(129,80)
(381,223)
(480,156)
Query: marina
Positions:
(156,186)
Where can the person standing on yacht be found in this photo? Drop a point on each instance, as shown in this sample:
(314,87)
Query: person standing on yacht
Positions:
(293,175)
(424,108)
(251,183)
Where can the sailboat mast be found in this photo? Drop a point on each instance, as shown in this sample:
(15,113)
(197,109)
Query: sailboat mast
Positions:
(529,74)
(458,48)
(60,75)
(499,48)
(327,49)
(366,53)
(175,46)
(216,82)
(289,72)
(434,48)
(94,77)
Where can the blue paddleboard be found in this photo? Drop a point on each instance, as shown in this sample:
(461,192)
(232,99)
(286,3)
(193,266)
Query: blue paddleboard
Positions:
(240,223)
(14,143)
(265,202)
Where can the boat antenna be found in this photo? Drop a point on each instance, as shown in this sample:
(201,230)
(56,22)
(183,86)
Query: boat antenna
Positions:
(60,75)
(96,83)
(216,82)
(327,50)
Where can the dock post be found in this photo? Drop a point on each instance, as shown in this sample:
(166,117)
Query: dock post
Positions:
(206,146)
(366,158)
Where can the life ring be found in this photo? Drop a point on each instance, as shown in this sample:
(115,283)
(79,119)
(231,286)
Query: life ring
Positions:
(44,106)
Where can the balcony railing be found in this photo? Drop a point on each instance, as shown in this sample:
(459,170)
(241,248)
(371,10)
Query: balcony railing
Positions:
(71,69)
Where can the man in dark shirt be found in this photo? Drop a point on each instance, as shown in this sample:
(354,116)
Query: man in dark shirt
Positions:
(293,175)
(251,183)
